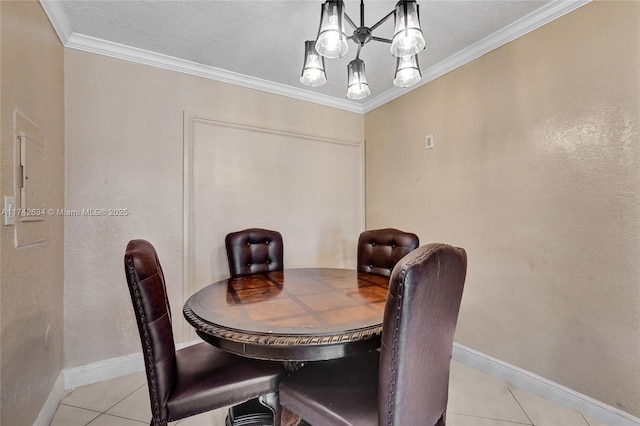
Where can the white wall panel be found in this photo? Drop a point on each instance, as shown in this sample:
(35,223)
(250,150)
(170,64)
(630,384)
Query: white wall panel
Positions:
(307,187)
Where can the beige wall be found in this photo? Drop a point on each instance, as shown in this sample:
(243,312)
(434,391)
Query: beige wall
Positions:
(125,150)
(31,277)
(535,173)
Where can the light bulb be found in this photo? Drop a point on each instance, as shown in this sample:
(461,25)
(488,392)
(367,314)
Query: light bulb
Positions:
(313,73)
(357,87)
(407,36)
(407,71)
(332,41)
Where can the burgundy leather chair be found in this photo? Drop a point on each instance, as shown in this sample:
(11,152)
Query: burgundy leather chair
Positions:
(379,250)
(253,251)
(406,383)
(197,378)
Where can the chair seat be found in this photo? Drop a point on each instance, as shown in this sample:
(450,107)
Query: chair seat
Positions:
(206,374)
(336,392)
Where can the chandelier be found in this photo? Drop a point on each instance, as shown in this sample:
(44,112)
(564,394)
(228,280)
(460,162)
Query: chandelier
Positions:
(331,42)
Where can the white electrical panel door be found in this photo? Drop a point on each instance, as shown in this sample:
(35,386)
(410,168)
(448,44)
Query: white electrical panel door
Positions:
(30,182)
(32,190)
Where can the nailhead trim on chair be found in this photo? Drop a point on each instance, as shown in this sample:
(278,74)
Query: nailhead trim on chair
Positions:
(394,359)
(152,373)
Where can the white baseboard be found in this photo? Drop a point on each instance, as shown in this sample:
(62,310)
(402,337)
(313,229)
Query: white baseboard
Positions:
(102,370)
(51,404)
(540,386)
(108,369)
(72,378)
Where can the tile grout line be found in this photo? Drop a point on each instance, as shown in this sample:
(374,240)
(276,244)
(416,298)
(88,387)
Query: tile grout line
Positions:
(520,405)
(491,418)
(100,413)
(118,417)
(123,398)
(81,408)
(585,419)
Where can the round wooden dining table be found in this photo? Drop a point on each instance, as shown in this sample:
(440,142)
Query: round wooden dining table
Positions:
(295,315)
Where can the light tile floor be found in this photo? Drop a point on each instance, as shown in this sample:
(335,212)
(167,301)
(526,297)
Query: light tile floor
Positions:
(475,399)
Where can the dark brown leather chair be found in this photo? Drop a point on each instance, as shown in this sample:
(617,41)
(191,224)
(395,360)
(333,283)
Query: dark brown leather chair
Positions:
(197,378)
(253,251)
(379,250)
(406,383)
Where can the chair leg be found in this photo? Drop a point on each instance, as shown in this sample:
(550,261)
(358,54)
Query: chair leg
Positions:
(272,402)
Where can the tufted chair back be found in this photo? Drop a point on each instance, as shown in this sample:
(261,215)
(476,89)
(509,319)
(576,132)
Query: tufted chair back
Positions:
(379,250)
(421,312)
(153,315)
(253,251)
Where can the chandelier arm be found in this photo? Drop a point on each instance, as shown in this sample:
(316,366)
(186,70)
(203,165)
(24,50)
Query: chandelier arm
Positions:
(383,20)
(384,40)
(350,21)
(407,68)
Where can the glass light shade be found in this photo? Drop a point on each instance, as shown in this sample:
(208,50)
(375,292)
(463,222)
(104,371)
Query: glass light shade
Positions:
(332,40)
(357,88)
(407,71)
(313,73)
(407,36)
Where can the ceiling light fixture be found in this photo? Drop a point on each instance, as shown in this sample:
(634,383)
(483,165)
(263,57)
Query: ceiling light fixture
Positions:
(331,42)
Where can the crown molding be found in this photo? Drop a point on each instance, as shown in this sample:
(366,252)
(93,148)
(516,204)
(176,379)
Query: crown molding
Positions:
(141,56)
(525,25)
(72,40)
(58,19)
(531,22)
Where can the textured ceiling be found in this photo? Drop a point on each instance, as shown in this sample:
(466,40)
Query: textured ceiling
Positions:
(265,39)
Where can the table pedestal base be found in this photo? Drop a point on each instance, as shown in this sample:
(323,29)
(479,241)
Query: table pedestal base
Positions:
(249,413)
(253,413)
